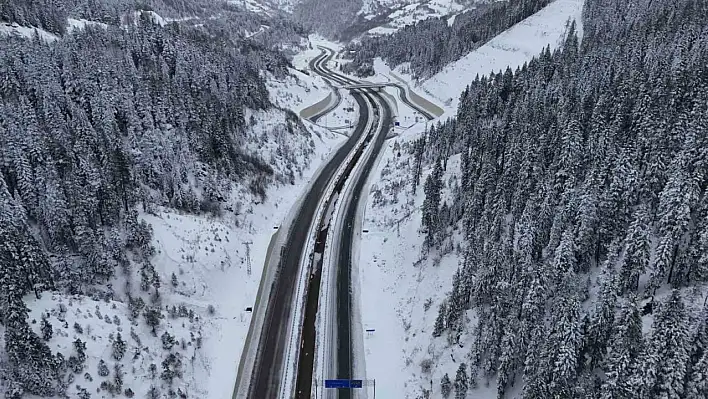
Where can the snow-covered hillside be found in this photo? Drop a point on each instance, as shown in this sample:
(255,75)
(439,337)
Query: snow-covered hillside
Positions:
(407,12)
(510,49)
(210,268)
(173,280)
(27,32)
(497,273)
(394,268)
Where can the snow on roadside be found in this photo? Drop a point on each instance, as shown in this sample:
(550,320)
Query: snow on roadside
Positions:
(401,289)
(210,258)
(296,91)
(397,281)
(512,48)
(213,256)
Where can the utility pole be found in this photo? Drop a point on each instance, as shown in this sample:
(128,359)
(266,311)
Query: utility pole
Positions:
(248,257)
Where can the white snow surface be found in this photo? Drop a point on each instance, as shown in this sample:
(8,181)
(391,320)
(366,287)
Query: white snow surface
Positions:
(218,275)
(100,322)
(396,280)
(512,48)
(296,91)
(210,257)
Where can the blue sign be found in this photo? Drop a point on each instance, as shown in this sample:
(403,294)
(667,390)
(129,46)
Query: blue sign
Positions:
(397,123)
(337,384)
(344,384)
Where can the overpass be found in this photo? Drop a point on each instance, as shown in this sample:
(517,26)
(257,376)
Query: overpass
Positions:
(374,86)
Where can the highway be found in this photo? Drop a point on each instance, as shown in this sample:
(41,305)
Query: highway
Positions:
(265,378)
(306,361)
(343,251)
(272,345)
(324,58)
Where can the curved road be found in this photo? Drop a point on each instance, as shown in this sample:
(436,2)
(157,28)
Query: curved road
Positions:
(314,66)
(265,379)
(344,359)
(343,351)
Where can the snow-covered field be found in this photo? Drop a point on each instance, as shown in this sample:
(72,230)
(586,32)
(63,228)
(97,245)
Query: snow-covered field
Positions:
(512,48)
(397,280)
(297,91)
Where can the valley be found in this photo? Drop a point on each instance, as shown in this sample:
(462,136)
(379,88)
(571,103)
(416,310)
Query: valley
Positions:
(353,199)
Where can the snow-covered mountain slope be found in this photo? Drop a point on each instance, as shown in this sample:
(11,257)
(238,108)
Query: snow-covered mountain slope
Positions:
(210,268)
(610,317)
(399,13)
(267,6)
(510,49)
(27,32)
(394,268)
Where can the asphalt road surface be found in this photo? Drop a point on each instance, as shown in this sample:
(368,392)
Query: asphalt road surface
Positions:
(265,379)
(343,285)
(344,252)
(303,387)
(314,66)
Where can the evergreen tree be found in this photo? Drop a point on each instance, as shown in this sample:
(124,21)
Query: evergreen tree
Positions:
(46,328)
(663,364)
(440,320)
(118,347)
(445,386)
(461,382)
(625,346)
(431,205)
(102,369)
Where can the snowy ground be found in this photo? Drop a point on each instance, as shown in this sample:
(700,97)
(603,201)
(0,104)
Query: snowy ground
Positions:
(97,323)
(219,272)
(397,281)
(210,258)
(297,91)
(512,48)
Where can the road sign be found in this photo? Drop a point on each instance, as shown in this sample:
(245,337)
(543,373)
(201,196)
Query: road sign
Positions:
(397,123)
(337,384)
(344,384)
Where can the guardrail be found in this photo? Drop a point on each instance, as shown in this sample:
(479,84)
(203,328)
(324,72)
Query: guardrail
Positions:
(294,333)
(324,316)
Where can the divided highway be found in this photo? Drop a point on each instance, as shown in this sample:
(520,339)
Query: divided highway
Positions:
(265,377)
(266,371)
(366,102)
(343,252)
